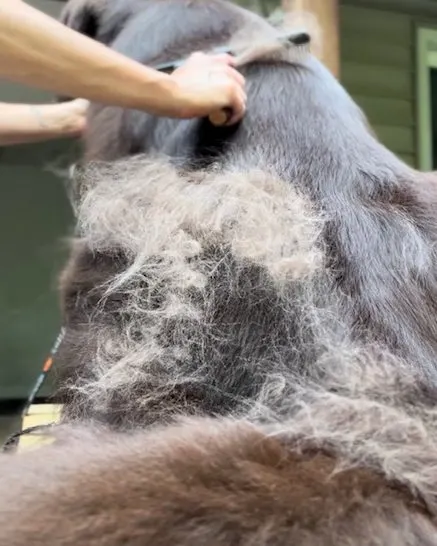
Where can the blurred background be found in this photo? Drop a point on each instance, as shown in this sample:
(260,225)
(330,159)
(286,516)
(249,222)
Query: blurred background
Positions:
(383,51)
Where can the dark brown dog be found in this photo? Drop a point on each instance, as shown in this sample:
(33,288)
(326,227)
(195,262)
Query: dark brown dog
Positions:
(279,277)
(224,261)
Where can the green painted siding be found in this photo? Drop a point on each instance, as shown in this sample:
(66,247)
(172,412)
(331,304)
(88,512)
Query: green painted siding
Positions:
(378,69)
(34,218)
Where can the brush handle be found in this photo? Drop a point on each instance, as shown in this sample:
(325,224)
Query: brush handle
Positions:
(221,117)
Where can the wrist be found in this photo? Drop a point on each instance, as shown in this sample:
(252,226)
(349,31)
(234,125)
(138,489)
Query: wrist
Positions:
(165,96)
(39,117)
(59,119)
(181,100)
(162,95)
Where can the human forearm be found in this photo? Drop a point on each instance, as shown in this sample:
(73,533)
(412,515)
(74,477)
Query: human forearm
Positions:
(40,51)
(23,123)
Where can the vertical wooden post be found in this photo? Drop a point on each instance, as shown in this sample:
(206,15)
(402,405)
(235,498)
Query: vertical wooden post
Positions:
(327,15)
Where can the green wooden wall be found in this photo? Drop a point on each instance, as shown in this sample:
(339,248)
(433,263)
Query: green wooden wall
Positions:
(378,69)
(34,217)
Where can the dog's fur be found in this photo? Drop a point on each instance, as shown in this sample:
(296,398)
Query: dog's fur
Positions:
(201,283)
(274,281)
(355,467)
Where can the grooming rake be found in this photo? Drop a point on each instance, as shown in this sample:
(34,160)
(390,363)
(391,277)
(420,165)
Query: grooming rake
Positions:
(243,55)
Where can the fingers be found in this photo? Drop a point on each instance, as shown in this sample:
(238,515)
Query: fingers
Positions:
(220,61)
(233,82)
(83,104)
(235,75)
(238,96)
(197,57)
(223,58)
(224,73)
(212,84)
(78,107)
(238,108)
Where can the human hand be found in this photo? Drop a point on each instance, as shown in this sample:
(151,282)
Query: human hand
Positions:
(70,117)
(61,119)
(207,84)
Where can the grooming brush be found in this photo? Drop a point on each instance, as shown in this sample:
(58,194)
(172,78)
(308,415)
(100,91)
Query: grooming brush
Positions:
(244,55)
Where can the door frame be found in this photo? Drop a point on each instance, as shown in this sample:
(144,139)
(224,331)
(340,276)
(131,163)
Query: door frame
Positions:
(426,59)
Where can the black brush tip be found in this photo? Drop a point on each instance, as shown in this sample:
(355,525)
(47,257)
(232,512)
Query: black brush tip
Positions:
(298,38)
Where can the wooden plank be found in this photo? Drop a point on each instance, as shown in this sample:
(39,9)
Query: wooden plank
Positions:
(391,27)
(386,111)
(423,8)
(409,159)
(378,70)
(377,81)
(326,13)
(34,215)
(398,139)
(38,415)
(355,48)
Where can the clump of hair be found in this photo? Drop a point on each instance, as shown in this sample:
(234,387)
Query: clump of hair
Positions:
(207,272)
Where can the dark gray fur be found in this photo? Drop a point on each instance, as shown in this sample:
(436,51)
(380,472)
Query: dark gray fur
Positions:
(370,237)
(276,282)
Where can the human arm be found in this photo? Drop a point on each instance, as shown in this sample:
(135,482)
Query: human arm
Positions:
(39,51)
(26,123)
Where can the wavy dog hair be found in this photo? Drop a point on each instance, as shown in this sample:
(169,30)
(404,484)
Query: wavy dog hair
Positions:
(250,315)
(354,462)
(211,262)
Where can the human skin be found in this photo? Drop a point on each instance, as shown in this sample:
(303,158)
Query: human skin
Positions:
(203,85)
